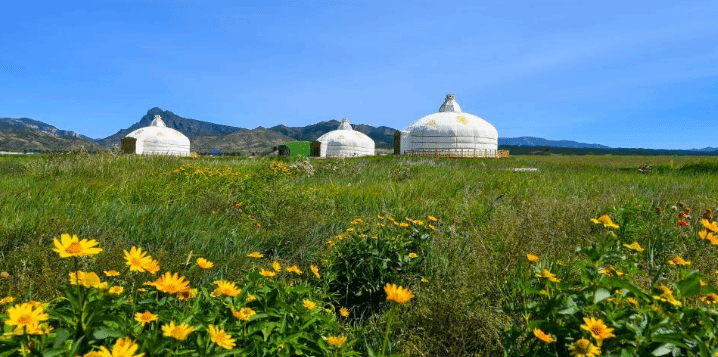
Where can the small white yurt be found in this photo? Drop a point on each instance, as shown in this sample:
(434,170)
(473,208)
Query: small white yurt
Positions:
(343,142)
(448,133)
(156,139)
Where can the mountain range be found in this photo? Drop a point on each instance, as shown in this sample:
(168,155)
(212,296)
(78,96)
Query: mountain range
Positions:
(28,135)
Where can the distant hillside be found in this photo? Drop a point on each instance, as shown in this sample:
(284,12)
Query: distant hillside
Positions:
(191,128)
(383,136)
(28,135)
(533,141)
(244,141)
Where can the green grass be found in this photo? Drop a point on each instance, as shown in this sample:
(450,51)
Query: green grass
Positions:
(489,217)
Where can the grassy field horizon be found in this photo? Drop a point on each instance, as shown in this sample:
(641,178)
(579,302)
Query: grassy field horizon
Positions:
(489,217)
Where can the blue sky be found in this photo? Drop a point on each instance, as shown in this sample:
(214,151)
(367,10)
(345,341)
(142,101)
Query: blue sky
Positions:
(618,73)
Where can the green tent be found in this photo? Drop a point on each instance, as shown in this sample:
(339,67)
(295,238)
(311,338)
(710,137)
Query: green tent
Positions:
(294,149)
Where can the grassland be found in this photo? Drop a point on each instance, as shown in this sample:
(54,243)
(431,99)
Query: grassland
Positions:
(489,217)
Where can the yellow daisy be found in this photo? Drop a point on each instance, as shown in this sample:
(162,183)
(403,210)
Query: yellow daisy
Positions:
(267,273)
(116,290)
(171,283)
(532,258)
(679,261)
(7,300)
(433,219)
(204,263)
(336,341)
(310,305)
(598,329)
(396,293)
(226,288)
(220,337)
(276,266)
(22,315)
(109,273)
(344,312)
(294,269)
(584,348)
(136,259)
(244,314)
(543,336)
(634,246)
(71,246)
(178,332)
(123,347)
(710,299)
(255,255)
(412,255)
(145,317)
(315,270)
(151,266)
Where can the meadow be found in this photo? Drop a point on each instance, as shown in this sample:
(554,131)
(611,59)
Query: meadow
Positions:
(485,218)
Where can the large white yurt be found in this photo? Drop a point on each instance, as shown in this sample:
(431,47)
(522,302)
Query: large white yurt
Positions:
(343,142)
(448,132)
(156,139)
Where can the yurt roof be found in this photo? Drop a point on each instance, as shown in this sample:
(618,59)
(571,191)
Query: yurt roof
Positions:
(451,121)
(345,134)
(158,131)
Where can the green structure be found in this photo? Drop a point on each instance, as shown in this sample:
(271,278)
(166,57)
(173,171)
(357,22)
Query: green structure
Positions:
(294,149)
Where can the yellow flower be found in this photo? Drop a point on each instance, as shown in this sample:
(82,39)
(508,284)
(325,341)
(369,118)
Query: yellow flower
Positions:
(88,280)
(204,263)
(424,280)
(251,298)
(679,261)
(344,312)
(171,283)
(584,348)
(74,247)
(336,341)
(710,237)
(22,315)
(136,259)
(380,217)
(116,290)
(309,304)
(256,255)
(532,258)
(667,296)
(396,293)
(598,329)
(350,229)
(267,273)
(605,220)
(5,275)
(634,246)
(412,255)
(145,317)
(294,269)
(188,294)
(547,274)
(712,226)
(123,347)
(419,222)
(244,314)
(151,266)
(404,224)
(633,301)
(432,218)
(226,288)
(220,337)
(433,227)
(7,300)
(276,266)
(178,332)
(543,336)
(109,273)
(710,299)
(315,270)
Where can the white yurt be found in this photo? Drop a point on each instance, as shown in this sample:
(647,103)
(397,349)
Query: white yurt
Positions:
(343,142)
(448,132)
(156,139)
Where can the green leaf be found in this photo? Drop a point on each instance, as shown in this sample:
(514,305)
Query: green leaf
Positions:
(614,282)
(60,336)
(54,352)
(600,295)
(691,285)
(664,350)
(104,332)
